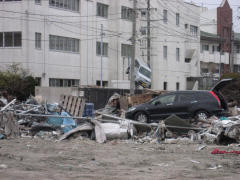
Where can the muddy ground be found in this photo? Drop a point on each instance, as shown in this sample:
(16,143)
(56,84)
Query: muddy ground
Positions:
(36,158)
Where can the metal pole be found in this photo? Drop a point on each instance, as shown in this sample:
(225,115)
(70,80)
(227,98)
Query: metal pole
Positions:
(232,58)
(52,116)
(128,64)
(5,107)
(220,65)
(87,42)
(101,51)
(148,34)
(132,83)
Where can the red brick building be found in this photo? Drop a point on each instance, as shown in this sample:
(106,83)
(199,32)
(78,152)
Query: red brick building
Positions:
(224,28)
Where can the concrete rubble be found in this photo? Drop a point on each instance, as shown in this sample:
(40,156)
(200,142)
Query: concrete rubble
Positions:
(37,118)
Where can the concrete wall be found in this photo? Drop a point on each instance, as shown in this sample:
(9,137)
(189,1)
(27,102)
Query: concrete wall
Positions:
(52,94)
(208,21)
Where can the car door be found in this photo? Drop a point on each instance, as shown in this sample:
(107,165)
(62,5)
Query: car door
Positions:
(162,107)
(186,103)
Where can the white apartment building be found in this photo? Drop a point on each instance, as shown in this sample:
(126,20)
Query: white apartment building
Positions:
(59,41)
(217,50)
(211,59)
(176,42)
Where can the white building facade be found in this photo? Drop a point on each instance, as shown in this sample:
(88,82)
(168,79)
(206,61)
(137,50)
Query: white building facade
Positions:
(59,41)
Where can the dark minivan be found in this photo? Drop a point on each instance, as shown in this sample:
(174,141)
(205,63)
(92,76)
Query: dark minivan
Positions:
(184,104)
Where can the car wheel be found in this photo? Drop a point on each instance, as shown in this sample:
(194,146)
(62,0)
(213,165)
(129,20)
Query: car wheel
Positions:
(201,115)
(141,117)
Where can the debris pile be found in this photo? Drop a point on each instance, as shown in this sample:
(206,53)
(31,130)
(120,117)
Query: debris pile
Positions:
(221,131)
(73,118)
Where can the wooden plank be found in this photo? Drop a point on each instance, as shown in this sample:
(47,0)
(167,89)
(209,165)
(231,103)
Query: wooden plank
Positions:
(77,106)
(82,108)
(69,104)
(65,102)
(73,107)
(62,97)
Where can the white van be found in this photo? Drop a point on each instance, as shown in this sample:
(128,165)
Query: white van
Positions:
(142,73)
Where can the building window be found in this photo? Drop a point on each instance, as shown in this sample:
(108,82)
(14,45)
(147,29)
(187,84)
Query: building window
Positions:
(177,54)
(126,50)
(1,39)
(38,1)
(193,30)
(127,13)
(105,49)
(228,47)
(205,70)
(215,49)
(215,71)
(237,69)
(222,48)
(227,34)
(187,60)
(177,19)
(164,52)
(164,85)
(237,49)
(63,44)
(177,86)
(165,16)
(63,82)
(11,39)
(38,81)
(102,10)
(205,47)
(186,26)
(104,83)
(38,40)
(9,0)
(72,5)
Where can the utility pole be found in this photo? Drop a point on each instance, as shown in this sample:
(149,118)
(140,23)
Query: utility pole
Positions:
(148,34)
(220,65)
(101,53)
(232,53)
(87,42)
(132,83)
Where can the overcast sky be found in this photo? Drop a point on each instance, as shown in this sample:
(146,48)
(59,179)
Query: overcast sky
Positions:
(212,4)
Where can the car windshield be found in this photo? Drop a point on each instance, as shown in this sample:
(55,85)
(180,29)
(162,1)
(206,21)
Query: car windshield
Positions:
(145,72)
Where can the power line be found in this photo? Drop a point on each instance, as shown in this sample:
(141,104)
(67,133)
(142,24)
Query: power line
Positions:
(56,15)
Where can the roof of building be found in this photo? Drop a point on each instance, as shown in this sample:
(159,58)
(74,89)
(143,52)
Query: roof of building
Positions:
(211,37)
(223,2)
(203,33)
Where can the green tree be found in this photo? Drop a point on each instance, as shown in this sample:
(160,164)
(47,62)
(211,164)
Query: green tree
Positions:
(17,81)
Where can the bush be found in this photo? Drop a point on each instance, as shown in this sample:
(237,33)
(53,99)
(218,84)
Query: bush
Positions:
(17,81)
(231,75)
(232,91)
